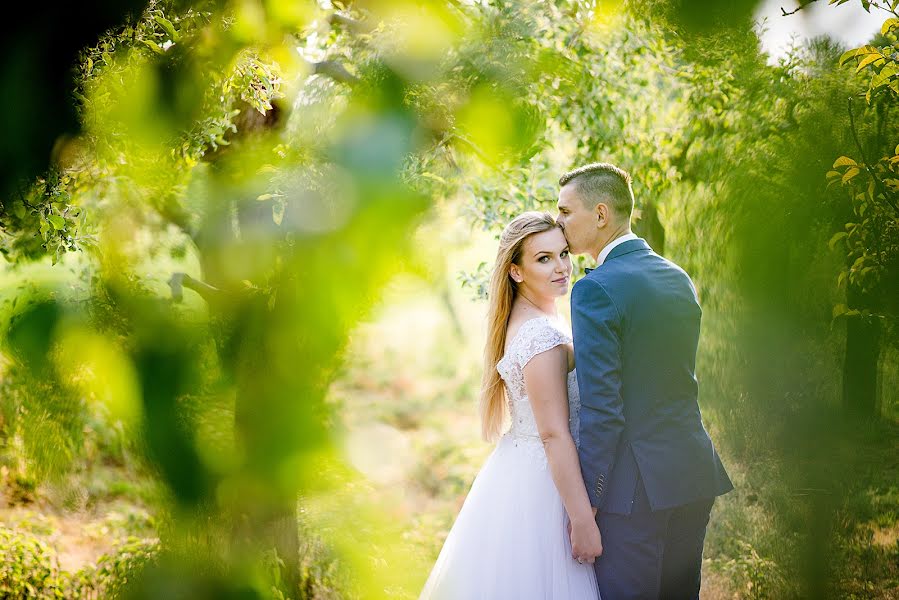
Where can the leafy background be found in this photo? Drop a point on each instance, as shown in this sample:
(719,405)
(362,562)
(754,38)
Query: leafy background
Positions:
(245,244)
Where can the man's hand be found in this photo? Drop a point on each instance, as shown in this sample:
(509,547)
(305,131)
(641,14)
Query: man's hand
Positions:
(586,541)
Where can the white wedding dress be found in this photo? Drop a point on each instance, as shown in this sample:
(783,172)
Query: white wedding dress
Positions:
(510,540)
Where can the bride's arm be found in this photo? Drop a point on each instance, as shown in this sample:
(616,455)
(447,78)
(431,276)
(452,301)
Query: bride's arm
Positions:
(545,378)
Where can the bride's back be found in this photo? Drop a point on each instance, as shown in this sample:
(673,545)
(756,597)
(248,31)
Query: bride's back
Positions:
(532,336)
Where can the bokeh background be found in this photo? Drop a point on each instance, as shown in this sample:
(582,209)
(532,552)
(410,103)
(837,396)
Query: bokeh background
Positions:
(246,244)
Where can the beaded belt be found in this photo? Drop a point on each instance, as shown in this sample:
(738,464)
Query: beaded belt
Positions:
(525,437)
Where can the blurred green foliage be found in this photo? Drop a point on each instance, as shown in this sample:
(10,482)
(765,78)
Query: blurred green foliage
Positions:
(243,177)
(273,157)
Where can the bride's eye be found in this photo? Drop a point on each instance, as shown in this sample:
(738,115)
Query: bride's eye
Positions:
(543,259)
(564,253)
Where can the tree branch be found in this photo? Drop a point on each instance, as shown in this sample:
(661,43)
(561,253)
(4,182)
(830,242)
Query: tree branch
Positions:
(793,12)
(178,281)
(335,71)
(350,23)
(178,217)
(870,169)
(474,148)
(24,201)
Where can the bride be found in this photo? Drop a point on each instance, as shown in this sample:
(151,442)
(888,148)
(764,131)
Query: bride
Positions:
(526,529)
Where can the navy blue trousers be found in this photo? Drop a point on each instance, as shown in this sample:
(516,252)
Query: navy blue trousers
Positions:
(650,555)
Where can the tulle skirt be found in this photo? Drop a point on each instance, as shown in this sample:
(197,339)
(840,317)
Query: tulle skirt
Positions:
(510,540)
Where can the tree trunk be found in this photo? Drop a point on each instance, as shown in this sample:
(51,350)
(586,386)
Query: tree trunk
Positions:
(860,363)
(269,521)
(650,228)
(247,326)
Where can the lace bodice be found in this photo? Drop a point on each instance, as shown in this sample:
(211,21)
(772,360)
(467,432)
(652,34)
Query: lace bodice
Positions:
(533,337)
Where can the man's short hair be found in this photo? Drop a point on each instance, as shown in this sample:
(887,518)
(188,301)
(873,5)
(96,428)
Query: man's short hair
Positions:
(602,182)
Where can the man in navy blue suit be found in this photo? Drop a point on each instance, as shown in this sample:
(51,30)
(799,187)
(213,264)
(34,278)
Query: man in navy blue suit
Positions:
(649,466)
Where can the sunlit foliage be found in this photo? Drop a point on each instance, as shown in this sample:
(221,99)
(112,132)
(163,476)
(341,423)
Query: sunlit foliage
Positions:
(234,182)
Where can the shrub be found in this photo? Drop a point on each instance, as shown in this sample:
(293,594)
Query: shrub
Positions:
(29,569)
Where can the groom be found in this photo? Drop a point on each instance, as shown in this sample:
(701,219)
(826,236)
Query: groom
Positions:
(648,463)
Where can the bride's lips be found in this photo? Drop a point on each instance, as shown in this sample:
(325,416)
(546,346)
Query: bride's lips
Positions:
(561,279)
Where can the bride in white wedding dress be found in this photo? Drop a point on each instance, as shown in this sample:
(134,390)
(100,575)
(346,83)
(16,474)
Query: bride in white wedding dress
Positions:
(526,530)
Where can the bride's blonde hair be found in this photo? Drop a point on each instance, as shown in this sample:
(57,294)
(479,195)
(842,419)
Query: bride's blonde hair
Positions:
(501,294)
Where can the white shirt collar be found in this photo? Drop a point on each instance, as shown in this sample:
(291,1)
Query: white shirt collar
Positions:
(604,254)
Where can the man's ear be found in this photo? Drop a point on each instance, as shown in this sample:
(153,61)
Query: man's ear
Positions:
(603,213)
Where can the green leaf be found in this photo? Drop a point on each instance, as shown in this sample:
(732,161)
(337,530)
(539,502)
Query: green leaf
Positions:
(857,52)
(867,60)
(888,25)
(154,47)
(850,173)
(886,73)
(844,161)
(57,222)
(839,310)
(167,25)
(836,238)
(848,55)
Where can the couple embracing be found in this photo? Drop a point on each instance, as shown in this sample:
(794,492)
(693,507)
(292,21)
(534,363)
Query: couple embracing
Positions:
(603,484)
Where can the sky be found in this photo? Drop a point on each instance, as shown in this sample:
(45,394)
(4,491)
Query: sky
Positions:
(848,23)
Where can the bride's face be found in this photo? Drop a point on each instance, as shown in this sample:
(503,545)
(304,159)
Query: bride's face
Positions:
(545,267)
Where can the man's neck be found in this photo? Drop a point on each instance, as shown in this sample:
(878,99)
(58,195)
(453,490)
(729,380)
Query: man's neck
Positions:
(617,234)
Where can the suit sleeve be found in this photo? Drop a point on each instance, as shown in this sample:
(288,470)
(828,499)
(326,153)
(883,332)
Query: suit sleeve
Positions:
(596,325)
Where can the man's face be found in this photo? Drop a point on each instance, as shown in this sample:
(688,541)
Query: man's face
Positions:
(577,221)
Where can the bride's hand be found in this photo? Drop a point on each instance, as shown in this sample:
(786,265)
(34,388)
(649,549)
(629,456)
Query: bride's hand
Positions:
(586,541)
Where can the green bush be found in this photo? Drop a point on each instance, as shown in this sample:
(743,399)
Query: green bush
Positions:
(29,569)
(113,571)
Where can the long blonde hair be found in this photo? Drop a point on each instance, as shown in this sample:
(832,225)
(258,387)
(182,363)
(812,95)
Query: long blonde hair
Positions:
(501,295)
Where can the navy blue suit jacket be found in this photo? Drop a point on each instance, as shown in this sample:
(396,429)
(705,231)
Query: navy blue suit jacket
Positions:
(635,321)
